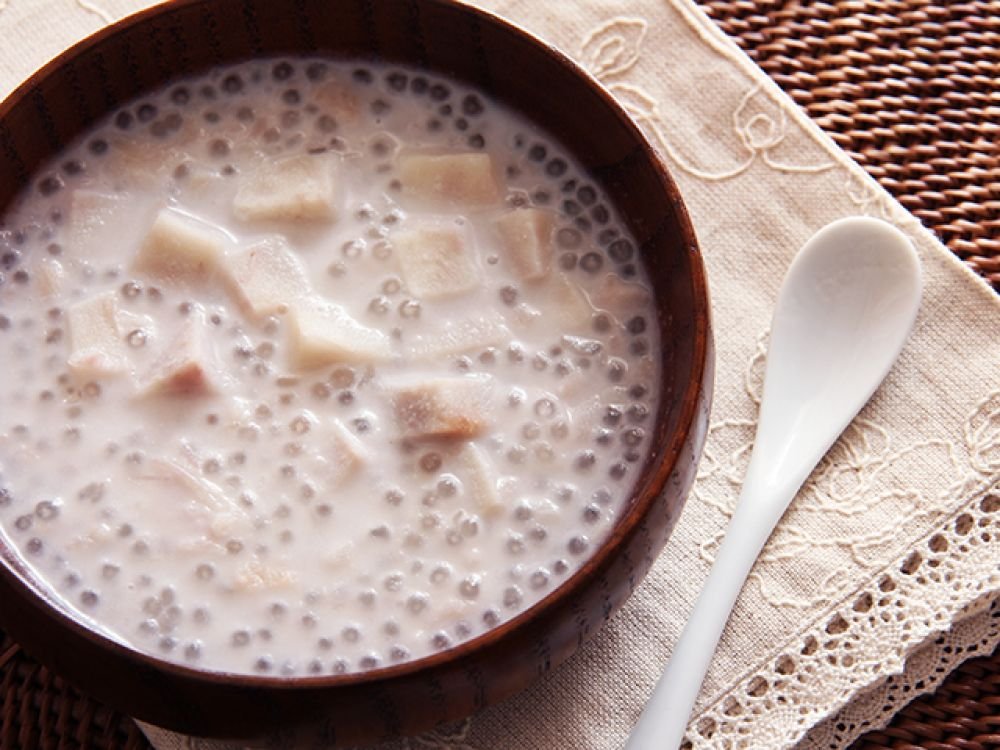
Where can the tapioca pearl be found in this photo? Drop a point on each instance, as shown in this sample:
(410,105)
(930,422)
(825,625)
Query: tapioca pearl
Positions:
(578,545)
(34,546)
(393,582)
(340,666)
(515,543)
(110,571)
(89,598)
(633,436)
(167,644)
(591,262)
(264,664)
(71,580)
(539,578)
(440,574)
(351,633)
(604,436)
(621,250)
(537,152)
(430,462)
(219,148)
(600,214)
(523,511)
(23,523)
(584,460)
(149,627)
(432,520)
(517,454)
(440,640)
(131,289)
(531,430)
(512,597)
(618,470)
(418,602)
(639,347)
(409,309)
(602,496)
(592,513)
(50,185)
(556,167)
(470,587)
(46,510)
(211,117)
(98,147)
(559,430)
(617,369)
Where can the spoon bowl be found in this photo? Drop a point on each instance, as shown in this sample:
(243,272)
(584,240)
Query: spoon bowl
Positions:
(845,309)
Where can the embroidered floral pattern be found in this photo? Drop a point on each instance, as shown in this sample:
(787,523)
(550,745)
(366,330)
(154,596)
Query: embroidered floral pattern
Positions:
(759,122)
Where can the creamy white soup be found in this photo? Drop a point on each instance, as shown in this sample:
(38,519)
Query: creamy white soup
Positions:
(316,366)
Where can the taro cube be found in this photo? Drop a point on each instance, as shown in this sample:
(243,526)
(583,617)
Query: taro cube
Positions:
(451,179)
(526,236)
(299,188)
(436,262)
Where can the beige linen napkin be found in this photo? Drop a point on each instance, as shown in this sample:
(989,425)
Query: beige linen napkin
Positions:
(881,577)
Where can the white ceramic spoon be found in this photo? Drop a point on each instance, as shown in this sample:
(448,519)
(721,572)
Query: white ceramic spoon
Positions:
(844,310)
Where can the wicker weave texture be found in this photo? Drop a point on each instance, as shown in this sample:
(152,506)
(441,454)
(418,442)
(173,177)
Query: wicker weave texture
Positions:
(909,88)
(39,710)
(964,714)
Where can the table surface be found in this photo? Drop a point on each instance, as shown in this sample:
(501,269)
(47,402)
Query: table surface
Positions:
(911,90)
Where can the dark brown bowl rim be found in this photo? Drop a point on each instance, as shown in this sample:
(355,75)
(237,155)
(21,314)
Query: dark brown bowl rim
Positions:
(644,494)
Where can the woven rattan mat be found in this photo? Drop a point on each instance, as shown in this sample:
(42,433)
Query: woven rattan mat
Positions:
(911,89)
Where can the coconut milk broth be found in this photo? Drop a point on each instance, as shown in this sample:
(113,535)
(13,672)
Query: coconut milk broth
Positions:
(210,528)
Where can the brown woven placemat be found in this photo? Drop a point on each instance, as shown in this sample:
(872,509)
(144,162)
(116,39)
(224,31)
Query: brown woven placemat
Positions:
(911,89)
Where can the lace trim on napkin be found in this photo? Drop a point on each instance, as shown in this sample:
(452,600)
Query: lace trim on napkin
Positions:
(912,624)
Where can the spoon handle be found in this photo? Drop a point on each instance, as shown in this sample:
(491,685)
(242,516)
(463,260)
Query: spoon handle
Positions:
(662,724)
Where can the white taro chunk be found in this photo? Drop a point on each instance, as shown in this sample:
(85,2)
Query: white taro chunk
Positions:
(267,276)
(50,277)
(322,333)
(345,455)
(563,305)
(96,343)
(451,179)
(526,237)
(446,407)
(100,223)
(298,188)
(621,298)
(458,337)
(480,480)
(186,367)
(436,262)
(260,576)
(179,247)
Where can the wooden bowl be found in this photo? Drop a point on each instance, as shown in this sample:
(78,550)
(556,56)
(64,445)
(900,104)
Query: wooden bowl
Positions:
(186,36)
